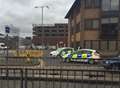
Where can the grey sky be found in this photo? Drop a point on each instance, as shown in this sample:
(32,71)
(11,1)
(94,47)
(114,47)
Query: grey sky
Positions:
(22,13)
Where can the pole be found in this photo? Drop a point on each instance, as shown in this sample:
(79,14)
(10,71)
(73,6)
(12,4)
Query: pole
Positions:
(42,27)
(18,40)
(7,49)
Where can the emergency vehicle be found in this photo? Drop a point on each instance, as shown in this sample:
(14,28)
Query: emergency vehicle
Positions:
(61,51)
(82,55)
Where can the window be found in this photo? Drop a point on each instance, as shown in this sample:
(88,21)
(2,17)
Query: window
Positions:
(97,3)
(47,34)
(61,30)
(88,24)
(46,30)
(92,24)
(54,30)
(88,3)
(39,30)
(53,34)
(105,5)
(95,24)
(61,26)
(92,3)
(109,20)
(61,34)
(114,4)
(110,5)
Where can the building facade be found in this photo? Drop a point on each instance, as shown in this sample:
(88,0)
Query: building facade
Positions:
(97,20)
(50,35)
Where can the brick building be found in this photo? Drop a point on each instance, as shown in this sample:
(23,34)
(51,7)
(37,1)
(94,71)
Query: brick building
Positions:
(94,23)
(51,35)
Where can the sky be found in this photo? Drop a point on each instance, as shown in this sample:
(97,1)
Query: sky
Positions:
(22,14)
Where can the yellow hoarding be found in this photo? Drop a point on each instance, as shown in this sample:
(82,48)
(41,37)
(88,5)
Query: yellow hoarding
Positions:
(29,53)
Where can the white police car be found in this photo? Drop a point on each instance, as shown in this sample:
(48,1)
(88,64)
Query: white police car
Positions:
(83,55)
(61,51)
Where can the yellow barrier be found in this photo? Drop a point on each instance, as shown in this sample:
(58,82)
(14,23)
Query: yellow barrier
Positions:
(29,53)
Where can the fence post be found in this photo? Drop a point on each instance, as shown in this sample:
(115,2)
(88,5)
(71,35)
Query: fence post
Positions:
(21,71)
(25,78)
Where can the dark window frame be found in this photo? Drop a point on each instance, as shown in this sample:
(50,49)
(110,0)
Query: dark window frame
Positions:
(61,34)
(61,30)
(108,7)
(46,30)
(53,30)
(92,4)
(91,26)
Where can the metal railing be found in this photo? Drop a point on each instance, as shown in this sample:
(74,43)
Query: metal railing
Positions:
(58,78)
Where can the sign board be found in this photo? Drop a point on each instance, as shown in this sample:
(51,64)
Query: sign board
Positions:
(7,29)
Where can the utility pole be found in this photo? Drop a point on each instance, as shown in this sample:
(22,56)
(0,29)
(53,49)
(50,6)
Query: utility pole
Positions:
(42,19)
(7,31)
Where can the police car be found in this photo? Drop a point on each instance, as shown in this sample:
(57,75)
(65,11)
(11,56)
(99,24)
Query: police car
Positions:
(61,51)
(82,55)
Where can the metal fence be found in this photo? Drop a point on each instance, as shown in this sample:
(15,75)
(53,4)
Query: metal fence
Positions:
(58,78)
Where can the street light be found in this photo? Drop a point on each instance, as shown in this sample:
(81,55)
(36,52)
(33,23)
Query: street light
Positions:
(7,31)
(42,8)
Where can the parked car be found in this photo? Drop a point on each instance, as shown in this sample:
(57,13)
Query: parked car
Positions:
(61,51)
(111,63)
(83,55)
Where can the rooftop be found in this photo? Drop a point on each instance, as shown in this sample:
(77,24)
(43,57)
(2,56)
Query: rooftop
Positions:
(76,4)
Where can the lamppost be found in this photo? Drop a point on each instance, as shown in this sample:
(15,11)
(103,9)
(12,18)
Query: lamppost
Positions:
(7,31)
(42,8)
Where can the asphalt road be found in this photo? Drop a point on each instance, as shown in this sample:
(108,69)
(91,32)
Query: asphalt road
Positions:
(57,63)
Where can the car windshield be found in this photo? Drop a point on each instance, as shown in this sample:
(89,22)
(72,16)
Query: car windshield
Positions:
(59,49)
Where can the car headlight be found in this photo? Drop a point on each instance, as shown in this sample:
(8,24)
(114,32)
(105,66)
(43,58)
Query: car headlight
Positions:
(107,62)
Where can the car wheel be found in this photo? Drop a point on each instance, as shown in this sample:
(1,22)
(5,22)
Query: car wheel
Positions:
(67,60)
(91,61)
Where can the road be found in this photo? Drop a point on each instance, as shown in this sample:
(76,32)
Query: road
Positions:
(57,74)
(58,63)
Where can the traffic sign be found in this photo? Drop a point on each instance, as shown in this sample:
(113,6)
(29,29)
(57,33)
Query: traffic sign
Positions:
(7,29)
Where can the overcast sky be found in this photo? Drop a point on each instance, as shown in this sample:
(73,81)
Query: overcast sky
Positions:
(22,14)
